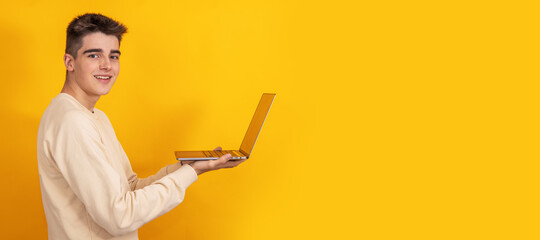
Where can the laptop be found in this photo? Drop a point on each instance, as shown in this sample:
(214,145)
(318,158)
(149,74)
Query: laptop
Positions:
(249,139)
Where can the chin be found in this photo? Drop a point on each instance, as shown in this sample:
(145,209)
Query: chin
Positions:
(102,92)
(105,92)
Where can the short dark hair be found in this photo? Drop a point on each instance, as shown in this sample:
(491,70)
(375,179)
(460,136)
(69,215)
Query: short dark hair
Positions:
(91,23)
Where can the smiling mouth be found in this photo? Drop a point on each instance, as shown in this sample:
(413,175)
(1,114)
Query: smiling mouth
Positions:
(100,77)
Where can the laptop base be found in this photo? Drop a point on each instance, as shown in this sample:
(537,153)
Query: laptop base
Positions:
(207,155)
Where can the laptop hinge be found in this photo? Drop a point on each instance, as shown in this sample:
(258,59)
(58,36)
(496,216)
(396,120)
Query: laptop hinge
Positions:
(243,152)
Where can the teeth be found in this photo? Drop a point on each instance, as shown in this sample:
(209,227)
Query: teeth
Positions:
(102,77)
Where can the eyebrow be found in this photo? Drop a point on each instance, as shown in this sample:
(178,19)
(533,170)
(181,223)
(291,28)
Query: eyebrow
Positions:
(99,50)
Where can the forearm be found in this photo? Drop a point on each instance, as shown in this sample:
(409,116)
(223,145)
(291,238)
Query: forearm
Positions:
(131,210)
(138,183)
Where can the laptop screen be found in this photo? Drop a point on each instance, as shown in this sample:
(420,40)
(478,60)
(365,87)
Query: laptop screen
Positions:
(257,123)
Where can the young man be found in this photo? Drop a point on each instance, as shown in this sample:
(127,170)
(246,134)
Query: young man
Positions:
(88,188)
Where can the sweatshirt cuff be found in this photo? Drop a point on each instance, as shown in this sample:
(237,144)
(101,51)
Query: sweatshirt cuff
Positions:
(186,174)
(173,167)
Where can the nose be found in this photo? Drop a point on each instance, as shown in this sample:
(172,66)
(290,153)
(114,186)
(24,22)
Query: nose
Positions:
(105,64)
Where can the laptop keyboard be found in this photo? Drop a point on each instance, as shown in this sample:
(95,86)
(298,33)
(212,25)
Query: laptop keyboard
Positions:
(219,153)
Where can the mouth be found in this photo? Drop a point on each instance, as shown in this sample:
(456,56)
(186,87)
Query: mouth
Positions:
(103,78)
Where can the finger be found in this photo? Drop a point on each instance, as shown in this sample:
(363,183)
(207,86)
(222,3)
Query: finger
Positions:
(187,162)
(223,159)
(217,149)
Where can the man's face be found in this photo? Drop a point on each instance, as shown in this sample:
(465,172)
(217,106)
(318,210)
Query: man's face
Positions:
(97,64)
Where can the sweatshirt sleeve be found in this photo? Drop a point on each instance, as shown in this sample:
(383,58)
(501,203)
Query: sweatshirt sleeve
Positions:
(82,159)
(137,183)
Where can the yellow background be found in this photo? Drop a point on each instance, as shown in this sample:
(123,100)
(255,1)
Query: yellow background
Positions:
(393,119)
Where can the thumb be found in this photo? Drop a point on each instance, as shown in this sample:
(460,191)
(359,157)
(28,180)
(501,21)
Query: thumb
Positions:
(224,158)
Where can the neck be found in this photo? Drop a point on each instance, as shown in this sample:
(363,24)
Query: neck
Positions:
(88,101)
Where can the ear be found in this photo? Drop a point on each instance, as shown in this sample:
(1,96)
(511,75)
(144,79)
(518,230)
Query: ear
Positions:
(69,62)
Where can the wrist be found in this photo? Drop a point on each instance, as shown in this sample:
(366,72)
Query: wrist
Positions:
(197,170)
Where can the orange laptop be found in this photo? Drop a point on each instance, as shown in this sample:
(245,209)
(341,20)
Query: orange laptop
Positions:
(249,139)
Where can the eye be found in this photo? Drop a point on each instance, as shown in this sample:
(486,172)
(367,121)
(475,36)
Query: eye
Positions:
(93,56)
(115,57)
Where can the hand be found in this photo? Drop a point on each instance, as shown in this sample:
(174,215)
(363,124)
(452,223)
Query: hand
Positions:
(224,161)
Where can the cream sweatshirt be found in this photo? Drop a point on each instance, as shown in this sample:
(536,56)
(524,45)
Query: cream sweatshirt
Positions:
(88,188)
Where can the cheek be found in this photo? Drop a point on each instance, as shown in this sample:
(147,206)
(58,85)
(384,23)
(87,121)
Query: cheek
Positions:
(116,68)
(87,68)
